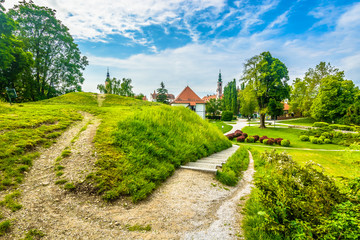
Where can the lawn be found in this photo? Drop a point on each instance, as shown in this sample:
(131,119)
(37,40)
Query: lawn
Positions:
(299,121)
(224,127)
(287,133)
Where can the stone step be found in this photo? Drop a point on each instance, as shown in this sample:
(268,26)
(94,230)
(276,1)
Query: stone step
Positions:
(202,165)
(200,169)
(220,161)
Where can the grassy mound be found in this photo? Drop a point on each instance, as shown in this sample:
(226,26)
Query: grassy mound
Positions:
(76,98)
(113,100)
(151,142)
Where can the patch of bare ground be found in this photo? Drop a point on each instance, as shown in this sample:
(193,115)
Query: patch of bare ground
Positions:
(100,99)
(189,205)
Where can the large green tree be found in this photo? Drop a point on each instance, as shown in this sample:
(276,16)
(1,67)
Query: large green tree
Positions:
(335,96)
(305,91)
(230,98)
(248,100)
(268,76)
(162,94)
(118,87)
(58,63)
(14,61)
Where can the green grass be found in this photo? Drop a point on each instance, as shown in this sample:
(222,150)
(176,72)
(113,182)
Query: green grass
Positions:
(4,227)
(34,234)
(138,227)
(222,126)
(10,201)
(290,134)
(299,121)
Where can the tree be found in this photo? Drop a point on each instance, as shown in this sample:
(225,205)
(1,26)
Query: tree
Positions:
(162,94)
(268,76)
(275,108)
(114,86)
(14,61)
(213,106)
(229,100)
(126,88)
(335,96)
(305,91)
(248,101)
(58,63)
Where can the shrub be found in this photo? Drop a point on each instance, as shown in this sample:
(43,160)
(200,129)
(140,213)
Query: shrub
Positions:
(230,136)
(245,135)
(263,138)
(268,141)
(320,141)
(304,138)
(322,138)
(250,140)
(285,143)
(240,139)
(278,141)
(314,140)
(326,135)
(256,138)
(238,133)
(320,124)
(327,141)
(226,116)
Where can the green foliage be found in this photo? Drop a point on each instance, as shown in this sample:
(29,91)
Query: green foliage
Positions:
(268,76)
(213,106)
(162,94)
(232,169)
(327,141)
(226,116)
(250,140)
(222,126)
(285,143)
(58,63)
(248,101)
(320,124)
(138,227)
(4,227)
(10,201)
(69,187)
(34,234)
(334,97)
(117,87)
(148,145)
(304,138)
(61,182)
(275,108)
(65,153)
(229,99)
(294,202)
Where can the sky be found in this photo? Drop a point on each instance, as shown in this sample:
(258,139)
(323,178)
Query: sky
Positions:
(186,42)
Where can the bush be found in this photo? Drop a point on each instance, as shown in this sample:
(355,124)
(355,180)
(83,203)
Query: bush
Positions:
(230,136)
(256,138)
(245,135)
(263,138)
(240,139)
(226,116)
(285,143)
(304,138)
(268,141)
(320,124)
(278,141)
(326,135)
(320,141)
(314,140)
(238,133)
(250,140)
(327,141)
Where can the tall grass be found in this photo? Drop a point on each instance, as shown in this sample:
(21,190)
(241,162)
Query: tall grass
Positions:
(152,142)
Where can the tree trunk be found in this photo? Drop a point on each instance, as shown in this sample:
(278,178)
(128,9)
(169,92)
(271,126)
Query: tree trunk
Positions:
(262,120)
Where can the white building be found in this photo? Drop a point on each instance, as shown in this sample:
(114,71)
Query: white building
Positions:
(189,99)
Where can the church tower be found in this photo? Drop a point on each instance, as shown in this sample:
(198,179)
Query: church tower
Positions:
(107,78)
(219,86)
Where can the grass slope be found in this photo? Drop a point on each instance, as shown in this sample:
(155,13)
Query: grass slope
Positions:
(299,121)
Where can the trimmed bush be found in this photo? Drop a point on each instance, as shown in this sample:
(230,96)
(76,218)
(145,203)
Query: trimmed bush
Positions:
(327,141)
(314,140)
(245,135)
(240,139)
(320,141)
(304,138)
(263,138)
(285,143)
(320,124)
(226,116)
(278,140)
(230,136)
(268,141)
(256,138)
(250,140)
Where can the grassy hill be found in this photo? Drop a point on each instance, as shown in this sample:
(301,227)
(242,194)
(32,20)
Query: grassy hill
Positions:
(139,144)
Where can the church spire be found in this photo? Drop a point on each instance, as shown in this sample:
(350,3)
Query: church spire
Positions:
(219,80)
(108,74)
(219,86)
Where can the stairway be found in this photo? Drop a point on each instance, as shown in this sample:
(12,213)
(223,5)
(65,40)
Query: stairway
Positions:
(210,163)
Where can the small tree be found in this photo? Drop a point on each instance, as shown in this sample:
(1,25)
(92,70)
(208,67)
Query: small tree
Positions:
(162,94)
(248,101)
(213,106)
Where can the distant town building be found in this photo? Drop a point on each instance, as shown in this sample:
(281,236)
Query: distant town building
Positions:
(153,97)
(188,98)
(107,80)
(219,89)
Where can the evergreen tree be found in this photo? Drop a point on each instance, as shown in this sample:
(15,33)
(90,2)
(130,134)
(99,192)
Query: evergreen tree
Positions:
(162,94)
(230,100)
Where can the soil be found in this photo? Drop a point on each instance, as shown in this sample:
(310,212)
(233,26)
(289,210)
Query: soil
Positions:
(189,205)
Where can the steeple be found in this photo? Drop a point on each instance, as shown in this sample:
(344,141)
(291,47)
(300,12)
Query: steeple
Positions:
(107,80)
(219,86)
(108,74)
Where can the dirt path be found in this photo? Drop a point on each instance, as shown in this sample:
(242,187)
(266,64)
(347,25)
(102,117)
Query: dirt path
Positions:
(189,205)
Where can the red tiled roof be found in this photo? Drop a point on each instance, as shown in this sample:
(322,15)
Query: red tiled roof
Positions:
(188,96)
(207,98)
(286,107)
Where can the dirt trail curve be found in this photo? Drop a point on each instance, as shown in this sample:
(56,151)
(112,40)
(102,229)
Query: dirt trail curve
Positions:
(189,205)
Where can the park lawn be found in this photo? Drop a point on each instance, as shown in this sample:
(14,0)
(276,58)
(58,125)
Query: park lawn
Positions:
(299,121)
(287,133)
(338,164)
(224,127)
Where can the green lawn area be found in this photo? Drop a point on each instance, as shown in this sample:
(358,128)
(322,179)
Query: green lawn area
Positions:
(299,121)
(224,127)
(287,133)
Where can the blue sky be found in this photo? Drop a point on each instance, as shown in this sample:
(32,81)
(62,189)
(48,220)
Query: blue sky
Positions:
(182,42)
